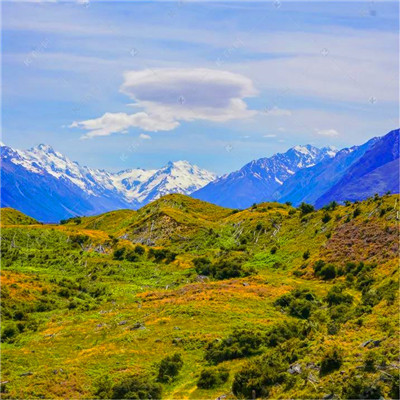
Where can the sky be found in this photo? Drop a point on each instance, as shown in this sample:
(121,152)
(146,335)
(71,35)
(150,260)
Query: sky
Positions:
(118,85)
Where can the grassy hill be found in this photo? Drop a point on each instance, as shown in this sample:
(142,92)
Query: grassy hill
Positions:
(193,301)
(9,216)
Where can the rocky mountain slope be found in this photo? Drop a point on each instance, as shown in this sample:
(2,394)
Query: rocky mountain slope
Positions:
(259,179)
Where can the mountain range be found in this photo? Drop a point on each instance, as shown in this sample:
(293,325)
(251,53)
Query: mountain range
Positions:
(46,185)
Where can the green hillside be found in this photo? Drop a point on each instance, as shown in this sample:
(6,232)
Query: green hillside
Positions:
(183,299)
(9,216)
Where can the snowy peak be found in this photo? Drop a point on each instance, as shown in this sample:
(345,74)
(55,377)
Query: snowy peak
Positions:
(133,186)
(259,179)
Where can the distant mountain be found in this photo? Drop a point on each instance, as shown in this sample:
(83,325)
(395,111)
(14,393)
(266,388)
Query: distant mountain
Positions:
(309,184)
(377,171)
(258,180)
(46,185)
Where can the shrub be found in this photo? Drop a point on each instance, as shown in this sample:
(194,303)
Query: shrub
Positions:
(241,343)
(300,303)
(306,255)
(362,387)
(131,256)
(336,296)
(306,208)
(328,272)
(331,361)
(9,332)
(369,362)
(331,206)
(202,265)
(326,218)
(139,250)
(227,269)
(273,250)
(137,387)
(118,254)
(212,377)
(279,333)
(356,212)
(257,376)
(169,368)
(104,387)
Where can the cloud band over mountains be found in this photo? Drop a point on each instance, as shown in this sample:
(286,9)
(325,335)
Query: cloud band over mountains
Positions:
(171,95)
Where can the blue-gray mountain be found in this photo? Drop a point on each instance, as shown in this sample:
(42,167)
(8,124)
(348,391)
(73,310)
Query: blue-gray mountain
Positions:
(258,180)
(350,174)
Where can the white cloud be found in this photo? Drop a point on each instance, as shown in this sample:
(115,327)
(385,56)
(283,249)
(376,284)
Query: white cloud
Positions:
(170,95)
(269,136)
(327,132)
(143,136)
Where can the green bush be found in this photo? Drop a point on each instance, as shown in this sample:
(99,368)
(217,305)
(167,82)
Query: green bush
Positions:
(327,272)
(331,361)
(336,296)
(362,387)
(118,254)
(104,387)
(256,377)
(212,377)
(300,303)
(9,332)
(306,208)
(281,332)
(138,388)
(326,218)
(241,343)
(139,250)
(203,266)
(169,368)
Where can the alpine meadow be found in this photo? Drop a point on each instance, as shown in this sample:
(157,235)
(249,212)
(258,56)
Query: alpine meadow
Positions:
(200,200)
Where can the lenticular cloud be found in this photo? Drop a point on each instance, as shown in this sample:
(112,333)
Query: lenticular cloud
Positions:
(168,96)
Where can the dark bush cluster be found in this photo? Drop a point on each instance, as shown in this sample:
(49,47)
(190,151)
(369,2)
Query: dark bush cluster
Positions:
(132,255)
(331,361)
(169,368)
(257,376)
(136,387)
(324,271)
(162,255)
(221,269)
(212,377)
(241,343)
(299,303)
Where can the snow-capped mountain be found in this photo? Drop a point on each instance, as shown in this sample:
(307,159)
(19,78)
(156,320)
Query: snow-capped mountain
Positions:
(77,189)
(259,179)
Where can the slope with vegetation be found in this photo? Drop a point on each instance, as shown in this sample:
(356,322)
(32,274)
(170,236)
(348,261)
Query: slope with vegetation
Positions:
(184,299)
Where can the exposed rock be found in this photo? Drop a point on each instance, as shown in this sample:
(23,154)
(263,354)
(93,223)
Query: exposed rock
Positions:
(137,325)
(366,343)
(26,373)
(122,323)
(294,369)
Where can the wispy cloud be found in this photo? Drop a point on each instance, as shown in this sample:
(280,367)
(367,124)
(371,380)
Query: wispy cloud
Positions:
(327,132)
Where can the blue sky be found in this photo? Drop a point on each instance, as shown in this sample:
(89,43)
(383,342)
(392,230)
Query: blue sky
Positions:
(117,85)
